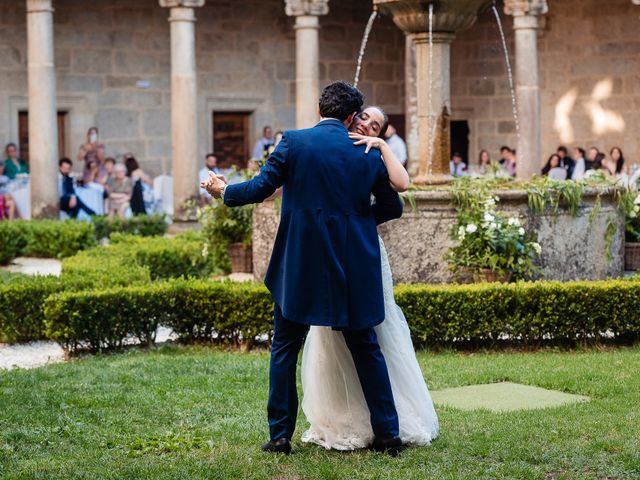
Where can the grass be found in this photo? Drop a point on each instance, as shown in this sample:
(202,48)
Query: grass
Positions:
(198,413)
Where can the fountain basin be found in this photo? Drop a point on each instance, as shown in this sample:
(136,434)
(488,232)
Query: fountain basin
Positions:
(450,16)
(573,248)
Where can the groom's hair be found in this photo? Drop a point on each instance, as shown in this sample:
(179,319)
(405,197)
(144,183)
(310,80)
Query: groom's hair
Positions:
(339,100)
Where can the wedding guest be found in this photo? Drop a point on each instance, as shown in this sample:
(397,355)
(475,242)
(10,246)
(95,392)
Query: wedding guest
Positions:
(457,166)
(505,152)
(69,200)
(396,144)
(580,164)
(120,190)
(210,165)
(92,153)
(566,161)
(7,203)
(553,170)
(276,140)
(599,167)
(261,148)
(510,162)
(13,165)
(142,186)
(591,157)
(617,165)
(109,163)
(484,162)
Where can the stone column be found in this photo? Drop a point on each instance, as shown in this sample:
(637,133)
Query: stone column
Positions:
(307,57)
(184,111)
(525,23)
(433,115)
(43,124)
(412,137)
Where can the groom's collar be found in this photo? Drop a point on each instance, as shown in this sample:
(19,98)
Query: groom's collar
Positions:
(330,121)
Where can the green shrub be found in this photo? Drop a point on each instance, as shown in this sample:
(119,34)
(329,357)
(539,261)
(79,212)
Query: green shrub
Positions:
(21,307)
(195,310)
(526,312)
(143,225)
(102,267)
(12,241)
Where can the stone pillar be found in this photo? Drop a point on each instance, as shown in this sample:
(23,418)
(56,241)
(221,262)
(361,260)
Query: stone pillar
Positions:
(184,111)
(307,57)
(43,124)
(412,137)
(525,23)
(433,124)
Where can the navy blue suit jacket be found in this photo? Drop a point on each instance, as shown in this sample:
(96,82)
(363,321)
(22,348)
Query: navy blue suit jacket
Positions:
(325,266)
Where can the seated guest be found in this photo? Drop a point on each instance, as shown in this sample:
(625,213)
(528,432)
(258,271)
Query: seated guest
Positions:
(566,161)
(13,165)
(510,162)
(616,164)
(120,189)
(69,200)
(457,166)
(7,203)
(591,158)
(142,187)
(553,170)
(484,162)
(580,164)
(505,151)
(210,165)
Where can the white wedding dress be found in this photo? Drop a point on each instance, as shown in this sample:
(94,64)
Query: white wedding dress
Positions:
(333,401)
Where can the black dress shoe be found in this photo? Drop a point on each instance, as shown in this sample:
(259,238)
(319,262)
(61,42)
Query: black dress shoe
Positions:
(390,446)
(282,445)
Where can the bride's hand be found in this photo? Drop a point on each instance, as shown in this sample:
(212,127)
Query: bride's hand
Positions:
(370,142)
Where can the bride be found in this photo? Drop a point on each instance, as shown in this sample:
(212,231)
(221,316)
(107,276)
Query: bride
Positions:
(333,401)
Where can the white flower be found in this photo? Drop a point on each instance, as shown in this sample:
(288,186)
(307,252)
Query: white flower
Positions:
(489,202)
(472,228)
(514,221)
(461,232)
(205,249)
(536,246)
(637,200)
(492,226)
(636,208)
(521,231)
(488,217)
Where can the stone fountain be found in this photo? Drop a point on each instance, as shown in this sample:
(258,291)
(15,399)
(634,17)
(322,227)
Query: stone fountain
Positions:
(434,104)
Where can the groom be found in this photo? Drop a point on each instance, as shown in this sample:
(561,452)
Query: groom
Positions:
(325,267)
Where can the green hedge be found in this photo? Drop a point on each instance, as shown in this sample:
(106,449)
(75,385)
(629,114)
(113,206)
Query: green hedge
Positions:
(224,311)
(44,238)
(143,225)
(195,310)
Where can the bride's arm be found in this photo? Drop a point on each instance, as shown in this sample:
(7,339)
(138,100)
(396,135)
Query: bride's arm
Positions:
(398,176)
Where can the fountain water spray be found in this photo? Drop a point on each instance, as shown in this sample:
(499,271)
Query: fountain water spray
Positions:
(363,45)
(431,128)
(514,102)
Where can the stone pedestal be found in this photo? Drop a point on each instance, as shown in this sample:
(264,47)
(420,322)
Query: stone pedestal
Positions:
(307,57)
(434,105)
(43,125)
(184,113)
(525,23)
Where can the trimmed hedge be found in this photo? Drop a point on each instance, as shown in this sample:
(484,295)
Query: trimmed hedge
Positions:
(143,225)
(224,311)
(128,261)
(195,310)
(44,238)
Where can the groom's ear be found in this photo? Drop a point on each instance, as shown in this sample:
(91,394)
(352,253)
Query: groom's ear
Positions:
(349,119)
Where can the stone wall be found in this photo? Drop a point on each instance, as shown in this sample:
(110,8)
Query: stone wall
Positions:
(113,68)
(589,78)
(573,248)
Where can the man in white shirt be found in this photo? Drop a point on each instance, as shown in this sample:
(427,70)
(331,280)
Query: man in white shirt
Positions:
(457,166)
(261,147)
(580,165)
(397,145)
(210,165)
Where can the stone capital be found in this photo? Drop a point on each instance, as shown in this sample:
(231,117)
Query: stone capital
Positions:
(37,6)
(519,8)
(181,3)
(295,8)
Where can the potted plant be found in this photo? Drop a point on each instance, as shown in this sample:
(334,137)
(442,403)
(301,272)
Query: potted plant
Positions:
(227,232)
(490,246)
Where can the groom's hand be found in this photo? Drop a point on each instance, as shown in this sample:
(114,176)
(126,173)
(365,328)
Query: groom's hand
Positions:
(215,185)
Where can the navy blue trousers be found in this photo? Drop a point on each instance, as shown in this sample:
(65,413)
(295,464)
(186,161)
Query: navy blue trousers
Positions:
(282,408)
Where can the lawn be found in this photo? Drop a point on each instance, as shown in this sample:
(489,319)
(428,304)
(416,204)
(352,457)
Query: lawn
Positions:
(196,413)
